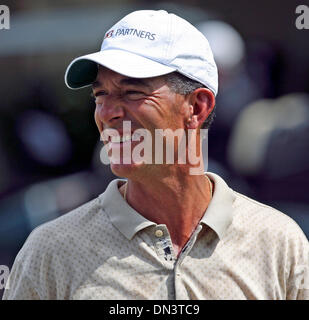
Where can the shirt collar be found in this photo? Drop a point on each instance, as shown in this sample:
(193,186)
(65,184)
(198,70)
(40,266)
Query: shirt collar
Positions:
(123,217)
(218,215)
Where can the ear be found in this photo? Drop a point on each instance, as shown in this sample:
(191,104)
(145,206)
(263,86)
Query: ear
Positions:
(202,102)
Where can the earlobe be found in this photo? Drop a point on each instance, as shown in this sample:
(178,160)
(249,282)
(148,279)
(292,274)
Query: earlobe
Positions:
(189,118)
(192,122)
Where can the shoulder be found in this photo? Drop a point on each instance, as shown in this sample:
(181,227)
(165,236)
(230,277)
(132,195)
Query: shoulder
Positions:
(265,220)
(57,254)
(274,241)
(79,228)
(66,238)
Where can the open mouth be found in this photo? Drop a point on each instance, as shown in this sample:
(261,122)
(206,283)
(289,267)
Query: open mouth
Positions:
(122,138)
(120,147)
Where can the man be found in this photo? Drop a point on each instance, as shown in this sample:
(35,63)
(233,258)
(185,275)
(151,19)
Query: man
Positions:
(169,231)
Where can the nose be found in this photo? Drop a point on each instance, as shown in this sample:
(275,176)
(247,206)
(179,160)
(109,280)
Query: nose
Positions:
(109,110)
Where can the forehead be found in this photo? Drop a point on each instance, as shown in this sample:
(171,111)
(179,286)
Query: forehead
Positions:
(106,76)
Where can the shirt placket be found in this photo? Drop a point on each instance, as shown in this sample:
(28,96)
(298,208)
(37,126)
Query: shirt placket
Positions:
(177,268)
(164,246)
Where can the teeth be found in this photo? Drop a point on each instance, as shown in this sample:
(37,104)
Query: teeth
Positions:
(117,139)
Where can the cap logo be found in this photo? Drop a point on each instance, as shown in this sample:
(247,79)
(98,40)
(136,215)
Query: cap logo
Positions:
(109,34)
(130,32)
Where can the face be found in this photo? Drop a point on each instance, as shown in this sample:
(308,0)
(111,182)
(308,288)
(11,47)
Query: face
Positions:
(144,104)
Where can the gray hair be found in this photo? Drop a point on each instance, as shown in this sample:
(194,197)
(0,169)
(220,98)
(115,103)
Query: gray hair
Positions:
(181,84)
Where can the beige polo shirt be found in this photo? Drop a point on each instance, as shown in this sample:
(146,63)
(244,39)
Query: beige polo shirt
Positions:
(241,249)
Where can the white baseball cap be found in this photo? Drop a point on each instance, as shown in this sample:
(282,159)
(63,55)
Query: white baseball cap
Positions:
(148,43)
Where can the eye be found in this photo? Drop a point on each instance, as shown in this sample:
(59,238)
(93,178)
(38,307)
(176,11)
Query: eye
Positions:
(134,95)
(100,93)
(95,95)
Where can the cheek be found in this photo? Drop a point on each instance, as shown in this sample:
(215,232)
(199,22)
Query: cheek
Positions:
(97,121)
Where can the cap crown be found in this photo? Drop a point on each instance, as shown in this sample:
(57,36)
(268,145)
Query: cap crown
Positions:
(168,39)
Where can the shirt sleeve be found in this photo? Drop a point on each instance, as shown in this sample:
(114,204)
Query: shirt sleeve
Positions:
(298,271)
(19,286)
(31,276)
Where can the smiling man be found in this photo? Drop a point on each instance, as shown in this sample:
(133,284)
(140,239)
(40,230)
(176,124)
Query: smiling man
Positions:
(152,105)
(167,231)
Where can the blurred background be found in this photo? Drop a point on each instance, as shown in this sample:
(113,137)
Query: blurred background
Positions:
(49,144)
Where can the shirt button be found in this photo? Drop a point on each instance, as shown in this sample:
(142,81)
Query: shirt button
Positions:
(159,233)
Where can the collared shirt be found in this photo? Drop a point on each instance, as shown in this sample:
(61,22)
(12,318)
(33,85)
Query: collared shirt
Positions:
(241,249)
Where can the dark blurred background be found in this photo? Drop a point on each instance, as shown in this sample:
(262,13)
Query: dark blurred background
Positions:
(49,145)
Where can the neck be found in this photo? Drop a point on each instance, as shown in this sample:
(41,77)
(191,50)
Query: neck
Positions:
(178,201)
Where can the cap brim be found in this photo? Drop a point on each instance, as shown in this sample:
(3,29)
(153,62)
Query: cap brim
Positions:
(82,71)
